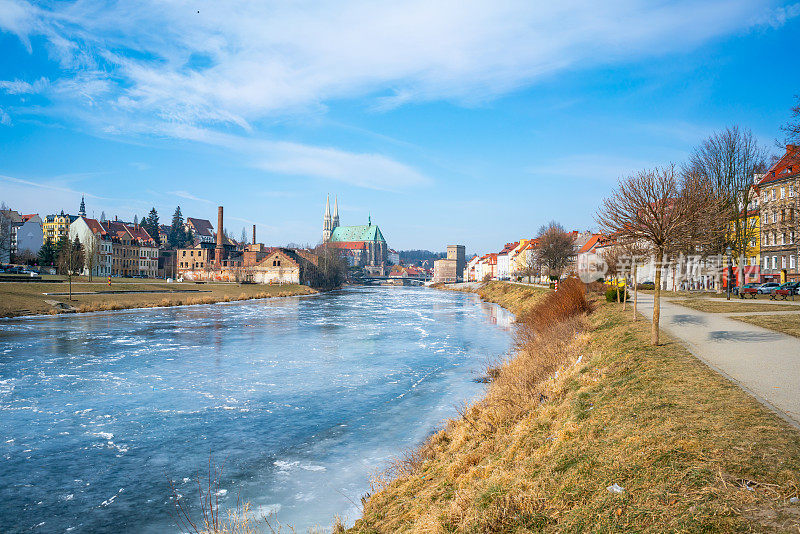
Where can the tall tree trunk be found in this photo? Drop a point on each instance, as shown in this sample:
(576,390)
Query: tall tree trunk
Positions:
(635,290)
(656,306)
(625,293)
(740,275)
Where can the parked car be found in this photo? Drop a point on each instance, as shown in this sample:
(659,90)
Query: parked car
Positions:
(767,287)
(792,287)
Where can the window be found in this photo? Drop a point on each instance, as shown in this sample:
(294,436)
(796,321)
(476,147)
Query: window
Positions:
(783,192)
(783,239)
(792,262)
(774,262)
(774,216)
(766,262)
(772,195)
(783,262)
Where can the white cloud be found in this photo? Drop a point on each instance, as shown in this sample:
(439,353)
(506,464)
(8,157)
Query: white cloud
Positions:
(235,62)
(373,171)
(5,118)
(780,15)
(182,68)
(589,167)
(188,196)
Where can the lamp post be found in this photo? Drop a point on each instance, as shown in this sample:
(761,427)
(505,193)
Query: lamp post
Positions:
(730,270)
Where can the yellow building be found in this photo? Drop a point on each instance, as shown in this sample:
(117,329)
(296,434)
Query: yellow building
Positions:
(752,234)
(54,227)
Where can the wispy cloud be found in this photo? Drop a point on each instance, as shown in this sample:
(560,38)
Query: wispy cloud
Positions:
(188,196)
(20,87)
(214,71)
(369,170)
(590,167)
(235,62)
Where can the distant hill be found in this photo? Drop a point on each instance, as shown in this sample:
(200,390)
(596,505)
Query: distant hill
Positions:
(416,257)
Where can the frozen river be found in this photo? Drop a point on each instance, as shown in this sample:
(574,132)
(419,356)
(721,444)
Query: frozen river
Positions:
(301,399)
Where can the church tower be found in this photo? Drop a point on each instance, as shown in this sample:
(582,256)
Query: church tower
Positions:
(336,212)
(327,223)
(82,209)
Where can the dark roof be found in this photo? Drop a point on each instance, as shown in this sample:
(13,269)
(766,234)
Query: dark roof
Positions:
(201,226)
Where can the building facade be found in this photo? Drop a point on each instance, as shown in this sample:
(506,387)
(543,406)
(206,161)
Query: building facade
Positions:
(779,213)
(57,226)
(361,245)
(114,248)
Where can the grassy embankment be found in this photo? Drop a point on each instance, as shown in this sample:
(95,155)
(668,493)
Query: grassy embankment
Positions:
(28,298)
(587,403)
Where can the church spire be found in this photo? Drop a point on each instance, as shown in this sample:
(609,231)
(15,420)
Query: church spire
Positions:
(327,225)
(336,211)
(82,210)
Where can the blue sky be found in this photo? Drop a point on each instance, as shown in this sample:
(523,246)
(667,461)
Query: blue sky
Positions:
(457,121)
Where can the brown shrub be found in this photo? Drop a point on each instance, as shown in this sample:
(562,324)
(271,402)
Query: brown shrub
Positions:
(566,302)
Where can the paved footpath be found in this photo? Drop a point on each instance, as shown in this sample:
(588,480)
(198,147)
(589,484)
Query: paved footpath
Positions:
(764,363)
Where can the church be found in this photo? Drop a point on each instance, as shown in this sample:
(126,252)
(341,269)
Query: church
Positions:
(362,245)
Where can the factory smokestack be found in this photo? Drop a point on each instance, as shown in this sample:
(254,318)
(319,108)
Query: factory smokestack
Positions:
(219,251)
(254,234)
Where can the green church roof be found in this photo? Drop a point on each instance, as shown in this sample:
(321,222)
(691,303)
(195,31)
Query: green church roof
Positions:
(365,232)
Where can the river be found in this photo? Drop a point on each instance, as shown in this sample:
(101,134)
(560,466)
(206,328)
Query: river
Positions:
(300,400)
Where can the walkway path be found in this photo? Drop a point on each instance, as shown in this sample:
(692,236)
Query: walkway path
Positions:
(764,363)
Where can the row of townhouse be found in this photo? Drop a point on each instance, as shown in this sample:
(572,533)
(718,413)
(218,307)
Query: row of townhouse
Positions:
(769,228)
(115,248)
(515,260)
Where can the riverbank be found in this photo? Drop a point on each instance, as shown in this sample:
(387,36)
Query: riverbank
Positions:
(51,297)
(589,427)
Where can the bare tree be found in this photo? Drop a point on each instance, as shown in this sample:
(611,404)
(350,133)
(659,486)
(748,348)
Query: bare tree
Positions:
(615,259)
(556,248)
(792,127)
(6,230)
(727,160)
(657,208)
(70,261)
(91,252)
(529,266)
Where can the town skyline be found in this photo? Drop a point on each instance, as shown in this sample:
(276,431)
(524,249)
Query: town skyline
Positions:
(431,146)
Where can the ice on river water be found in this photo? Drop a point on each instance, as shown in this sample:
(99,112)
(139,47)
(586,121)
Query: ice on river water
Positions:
(300,399)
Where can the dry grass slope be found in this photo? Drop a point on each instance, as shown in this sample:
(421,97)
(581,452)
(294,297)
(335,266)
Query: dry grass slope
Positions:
(18,299)
(586,403)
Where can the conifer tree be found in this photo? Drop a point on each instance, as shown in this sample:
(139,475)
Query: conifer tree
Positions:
(177,235)
(47,254)
(151,224)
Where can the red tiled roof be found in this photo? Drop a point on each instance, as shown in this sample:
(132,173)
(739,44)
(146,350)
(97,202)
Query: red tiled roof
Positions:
(589,245)
(781,168)
(509,247)
(350,245)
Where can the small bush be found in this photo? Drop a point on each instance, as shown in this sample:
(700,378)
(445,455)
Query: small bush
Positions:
(611,295)
(646,285)
(568,301)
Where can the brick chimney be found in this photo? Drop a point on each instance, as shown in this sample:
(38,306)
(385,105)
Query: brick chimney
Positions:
(254,234)
(219,250)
